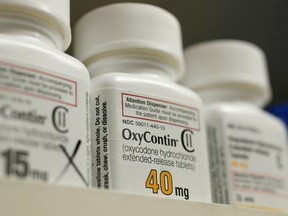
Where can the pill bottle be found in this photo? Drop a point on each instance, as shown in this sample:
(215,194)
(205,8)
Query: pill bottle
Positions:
(44,96)
(147,131)
(247,146)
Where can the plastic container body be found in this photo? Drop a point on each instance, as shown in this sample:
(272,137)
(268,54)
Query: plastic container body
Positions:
(248,156)
(148,137)
(44,106)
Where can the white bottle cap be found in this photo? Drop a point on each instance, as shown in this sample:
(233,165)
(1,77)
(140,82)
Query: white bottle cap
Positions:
(133,28)
(230,63)
(56,13)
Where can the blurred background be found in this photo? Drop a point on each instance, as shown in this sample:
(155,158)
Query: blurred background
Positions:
(262,22)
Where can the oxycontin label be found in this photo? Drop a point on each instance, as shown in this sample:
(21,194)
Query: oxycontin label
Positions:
(148,145)
(43,126)
(248,162)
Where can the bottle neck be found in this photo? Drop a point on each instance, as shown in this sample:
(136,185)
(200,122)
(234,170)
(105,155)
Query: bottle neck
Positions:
(28,30)
(133,64)
(233,95)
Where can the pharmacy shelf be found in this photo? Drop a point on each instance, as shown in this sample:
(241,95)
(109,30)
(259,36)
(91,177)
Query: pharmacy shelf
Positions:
(27,199)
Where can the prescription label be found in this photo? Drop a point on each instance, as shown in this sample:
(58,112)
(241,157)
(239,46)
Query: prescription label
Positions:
(248,163)
(149,145)
(44,124)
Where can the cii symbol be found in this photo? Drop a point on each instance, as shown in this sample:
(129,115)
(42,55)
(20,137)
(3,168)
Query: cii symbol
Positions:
(186,139)
(59,119)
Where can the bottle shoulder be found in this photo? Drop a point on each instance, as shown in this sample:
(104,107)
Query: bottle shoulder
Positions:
(242,112)
(40,58)
(146,84)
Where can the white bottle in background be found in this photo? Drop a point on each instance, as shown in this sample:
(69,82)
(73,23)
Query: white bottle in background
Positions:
(247,146)
(44,96)
(147,131)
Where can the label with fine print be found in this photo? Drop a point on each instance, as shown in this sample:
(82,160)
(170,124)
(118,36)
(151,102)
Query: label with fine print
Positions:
(248,163)
(44,124)
(149,145)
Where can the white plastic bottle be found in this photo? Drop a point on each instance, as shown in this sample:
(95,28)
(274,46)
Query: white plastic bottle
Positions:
(147,131)
(248,151)
(44,96)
